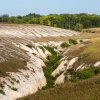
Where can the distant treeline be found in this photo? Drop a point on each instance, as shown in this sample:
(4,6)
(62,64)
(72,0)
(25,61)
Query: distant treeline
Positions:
(66,21)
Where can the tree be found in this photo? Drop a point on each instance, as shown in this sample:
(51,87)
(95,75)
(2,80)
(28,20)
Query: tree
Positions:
(78,27)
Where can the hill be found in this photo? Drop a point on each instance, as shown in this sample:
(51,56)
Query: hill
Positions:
(35,57)
(76,60)
(22,59)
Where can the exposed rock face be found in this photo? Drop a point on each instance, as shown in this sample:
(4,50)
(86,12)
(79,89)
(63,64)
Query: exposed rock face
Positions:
(22,61)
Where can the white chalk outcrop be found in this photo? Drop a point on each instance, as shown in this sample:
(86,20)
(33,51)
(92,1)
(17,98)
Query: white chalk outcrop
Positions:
(60,80)
(29,81)
(60,68)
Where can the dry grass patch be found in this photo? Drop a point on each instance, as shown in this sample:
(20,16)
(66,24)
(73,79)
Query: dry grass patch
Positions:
(83,90)
(12,65)
(89,54)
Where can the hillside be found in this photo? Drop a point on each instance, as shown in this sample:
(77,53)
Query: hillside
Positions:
(77,59)
(35,57)
(21,59)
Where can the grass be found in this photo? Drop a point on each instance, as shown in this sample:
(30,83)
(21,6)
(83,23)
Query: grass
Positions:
(83,90)
(82,35)
(89,54)
(12,65)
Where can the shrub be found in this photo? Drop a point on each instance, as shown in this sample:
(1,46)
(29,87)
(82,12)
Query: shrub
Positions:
(64,45)
(78,27)
(51,65)
(84,74)
(72,41)
(97,70)
(50,49)
(53,60)
(50,80)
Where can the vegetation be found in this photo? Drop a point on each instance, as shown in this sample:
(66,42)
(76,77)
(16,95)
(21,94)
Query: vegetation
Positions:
(72,41)
(67,21)
(85,74)
(51,65)
(88,89)
(89,54)
(64,45)
(51,50)
(13,65)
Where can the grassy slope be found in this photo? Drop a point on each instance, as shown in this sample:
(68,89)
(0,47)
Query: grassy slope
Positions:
(83,90)
(82,35)
(12,65)
(88,54)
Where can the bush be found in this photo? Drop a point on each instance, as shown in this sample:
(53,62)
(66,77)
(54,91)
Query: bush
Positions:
(97,70)
(72,41)
(78,27)
(51,65)
(50,49)
(50,80)
(84,74)
(64,45)
(53,60)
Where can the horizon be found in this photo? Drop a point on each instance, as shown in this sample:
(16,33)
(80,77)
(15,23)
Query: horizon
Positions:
(45,7)
(49,14)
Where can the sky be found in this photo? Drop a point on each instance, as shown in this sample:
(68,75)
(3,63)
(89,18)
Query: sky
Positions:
(44,7)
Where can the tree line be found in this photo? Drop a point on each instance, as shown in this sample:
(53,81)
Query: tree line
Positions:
(66,21)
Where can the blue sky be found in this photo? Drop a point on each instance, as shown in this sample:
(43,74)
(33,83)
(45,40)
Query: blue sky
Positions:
(22,7)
